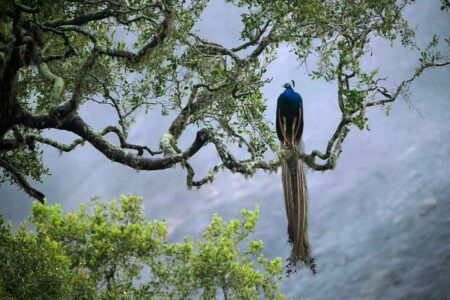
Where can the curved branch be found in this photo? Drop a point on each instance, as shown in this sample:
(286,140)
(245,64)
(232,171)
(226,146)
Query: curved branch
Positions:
(253,41)
(20,179)
(391,97)
(198,183)
(340,129)
(58,114)
(80,128)
(131,57)
(69,147)
(58,82)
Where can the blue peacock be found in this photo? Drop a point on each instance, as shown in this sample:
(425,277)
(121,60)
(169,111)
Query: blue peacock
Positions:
(289,122)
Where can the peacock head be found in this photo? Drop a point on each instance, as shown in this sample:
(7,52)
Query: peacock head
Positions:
(289,85)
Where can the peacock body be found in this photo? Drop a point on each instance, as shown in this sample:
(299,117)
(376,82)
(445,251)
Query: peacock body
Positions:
(289,123)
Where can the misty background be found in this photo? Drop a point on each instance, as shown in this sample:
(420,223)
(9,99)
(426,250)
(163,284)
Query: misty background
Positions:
(379,223)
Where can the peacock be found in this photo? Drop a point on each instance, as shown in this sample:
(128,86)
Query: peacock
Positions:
(289,123)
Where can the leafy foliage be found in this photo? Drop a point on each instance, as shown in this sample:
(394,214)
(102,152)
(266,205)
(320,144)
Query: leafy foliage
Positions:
(110,251)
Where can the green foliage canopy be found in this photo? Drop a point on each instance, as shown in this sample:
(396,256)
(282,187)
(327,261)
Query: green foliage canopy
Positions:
(111,251)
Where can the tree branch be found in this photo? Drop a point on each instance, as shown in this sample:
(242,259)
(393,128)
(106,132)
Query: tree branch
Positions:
(22,181)
(83,19)
(391,97)
(58,114)
(9,144)
(163,32)
(80,128)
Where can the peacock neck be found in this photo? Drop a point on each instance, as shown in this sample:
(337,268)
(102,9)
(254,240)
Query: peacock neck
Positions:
(291,97)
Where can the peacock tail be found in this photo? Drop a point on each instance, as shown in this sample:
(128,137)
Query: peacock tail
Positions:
(296,203)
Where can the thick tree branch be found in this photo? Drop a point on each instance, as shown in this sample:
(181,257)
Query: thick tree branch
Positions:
(83,19)
(76,125)
(9,144)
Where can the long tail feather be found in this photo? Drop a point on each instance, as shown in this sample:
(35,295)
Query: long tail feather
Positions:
(296,202)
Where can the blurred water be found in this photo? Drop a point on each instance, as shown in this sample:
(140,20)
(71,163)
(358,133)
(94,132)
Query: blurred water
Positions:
(379,223)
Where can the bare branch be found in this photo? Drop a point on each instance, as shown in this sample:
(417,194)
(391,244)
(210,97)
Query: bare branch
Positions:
(262,44)
(253,41)
(336,136)
(110,129)
(391,97)
(20,179)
